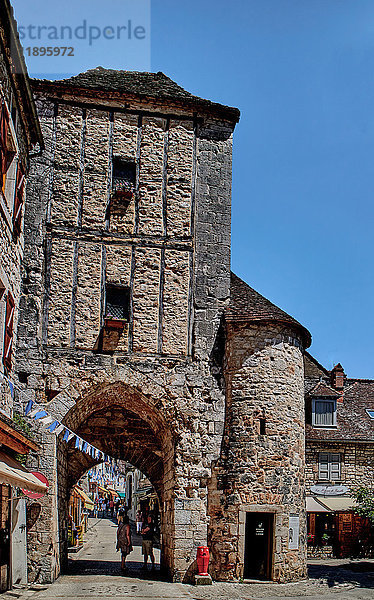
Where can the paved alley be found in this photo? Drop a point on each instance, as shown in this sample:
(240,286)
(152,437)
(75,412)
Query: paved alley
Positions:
(94,573)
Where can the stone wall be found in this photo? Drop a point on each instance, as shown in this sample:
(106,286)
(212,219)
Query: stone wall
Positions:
(11,245)
(357,463)
(262,466)
(171,247)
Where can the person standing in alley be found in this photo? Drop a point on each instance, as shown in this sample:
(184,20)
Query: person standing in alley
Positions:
(124,542)
(147,543)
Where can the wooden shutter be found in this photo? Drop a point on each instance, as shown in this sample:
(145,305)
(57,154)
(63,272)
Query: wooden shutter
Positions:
(8,334)
(18,199)
(4,126)
(323,470)
(335,467)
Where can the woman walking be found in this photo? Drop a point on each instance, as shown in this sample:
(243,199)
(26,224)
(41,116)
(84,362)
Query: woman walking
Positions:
(124,540)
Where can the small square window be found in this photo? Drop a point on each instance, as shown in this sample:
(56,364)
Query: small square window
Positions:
(117,302)
(124,174)
(323,412)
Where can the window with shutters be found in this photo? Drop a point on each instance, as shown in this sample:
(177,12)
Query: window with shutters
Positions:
(8,332)
(18,200)
(329,467)
(8,164)
(323,412)
(7,146)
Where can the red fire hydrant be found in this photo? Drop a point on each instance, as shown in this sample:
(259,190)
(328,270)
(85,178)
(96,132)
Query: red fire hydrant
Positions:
(202,559)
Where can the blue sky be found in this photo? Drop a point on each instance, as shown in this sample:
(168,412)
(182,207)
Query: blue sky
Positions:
(302,220)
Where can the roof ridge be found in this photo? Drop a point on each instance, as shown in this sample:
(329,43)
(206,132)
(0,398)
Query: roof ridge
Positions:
(144,84)
(246,304)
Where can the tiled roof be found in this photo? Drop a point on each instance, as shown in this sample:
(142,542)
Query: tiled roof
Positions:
(353,422)
(148,85)
(248,305)
(323,390)
(19,72)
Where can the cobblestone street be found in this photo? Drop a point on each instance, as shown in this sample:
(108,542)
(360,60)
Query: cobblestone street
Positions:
(95,574)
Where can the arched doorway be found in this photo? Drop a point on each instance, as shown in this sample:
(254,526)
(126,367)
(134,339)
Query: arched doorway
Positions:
(128,426)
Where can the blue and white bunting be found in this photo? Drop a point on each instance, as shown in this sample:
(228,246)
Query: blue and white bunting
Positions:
(52,425)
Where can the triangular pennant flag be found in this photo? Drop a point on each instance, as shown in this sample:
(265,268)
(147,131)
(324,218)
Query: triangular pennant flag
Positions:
(34,411)
(53,426)
(77,443)
(47,420)
(40,414)
(59,429)
(84,447)
(29,406)
(11,387)
(65,437)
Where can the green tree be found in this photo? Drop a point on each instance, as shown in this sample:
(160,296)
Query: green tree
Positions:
(364,497)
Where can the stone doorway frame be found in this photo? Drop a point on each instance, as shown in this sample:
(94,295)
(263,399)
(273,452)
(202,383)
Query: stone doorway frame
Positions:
(275,510)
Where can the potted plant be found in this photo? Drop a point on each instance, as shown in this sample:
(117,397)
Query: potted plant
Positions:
(123,194)
(111,322)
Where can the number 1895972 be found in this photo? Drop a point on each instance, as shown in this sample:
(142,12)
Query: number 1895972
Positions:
(50,51)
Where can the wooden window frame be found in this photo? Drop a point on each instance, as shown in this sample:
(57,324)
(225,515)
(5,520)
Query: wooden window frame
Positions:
(333,412)
(329,474)
(6,136)
(8,332)
(18,199)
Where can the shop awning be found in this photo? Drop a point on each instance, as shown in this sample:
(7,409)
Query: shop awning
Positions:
(122,494)
(104,490)
(15,474)
(313,506)
(337,504)
(86,499)
(112,492)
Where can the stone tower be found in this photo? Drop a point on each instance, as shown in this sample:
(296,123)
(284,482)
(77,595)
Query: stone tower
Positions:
(136,336)
(258,521)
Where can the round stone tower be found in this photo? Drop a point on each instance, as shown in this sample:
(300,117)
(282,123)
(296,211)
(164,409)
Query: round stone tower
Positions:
(258,519)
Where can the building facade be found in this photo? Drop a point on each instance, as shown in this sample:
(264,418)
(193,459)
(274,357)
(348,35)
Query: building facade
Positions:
(339,459)
(138,338)
(19,135)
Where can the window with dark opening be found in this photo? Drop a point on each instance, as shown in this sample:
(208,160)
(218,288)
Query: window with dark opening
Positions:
(123,182)
(262,426)
(117,302)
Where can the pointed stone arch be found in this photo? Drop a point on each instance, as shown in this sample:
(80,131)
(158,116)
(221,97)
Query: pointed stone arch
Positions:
(127,424)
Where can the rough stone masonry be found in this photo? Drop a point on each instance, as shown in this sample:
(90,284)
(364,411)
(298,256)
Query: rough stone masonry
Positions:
(135,334)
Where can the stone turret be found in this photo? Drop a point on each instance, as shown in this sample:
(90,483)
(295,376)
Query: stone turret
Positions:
(260,479)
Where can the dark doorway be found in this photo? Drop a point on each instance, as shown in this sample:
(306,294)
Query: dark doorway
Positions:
(258,546)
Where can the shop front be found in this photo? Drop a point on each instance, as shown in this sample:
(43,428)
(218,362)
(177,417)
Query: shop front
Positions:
(335,530)
(15,482)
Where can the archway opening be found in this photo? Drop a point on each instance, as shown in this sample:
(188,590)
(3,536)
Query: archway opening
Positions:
(128,427)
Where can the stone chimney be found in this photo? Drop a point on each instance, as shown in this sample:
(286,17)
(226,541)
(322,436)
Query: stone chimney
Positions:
(337,379)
